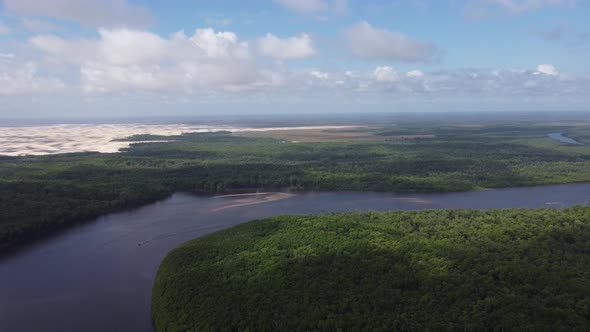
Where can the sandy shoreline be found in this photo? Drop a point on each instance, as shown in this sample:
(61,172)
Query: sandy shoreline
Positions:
(252,198)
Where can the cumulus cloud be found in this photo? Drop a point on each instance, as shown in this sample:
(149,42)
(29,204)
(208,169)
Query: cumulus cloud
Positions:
(546,69)
(386,83)
(213,63)
(386,74)
(319,74)
(296,47)
(369,42)
(99,13)
(415,74)
(126,47)
(130,59)
(23,78)
(62,50)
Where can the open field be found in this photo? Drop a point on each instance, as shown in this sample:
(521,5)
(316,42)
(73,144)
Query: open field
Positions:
(316,135)
(361,133)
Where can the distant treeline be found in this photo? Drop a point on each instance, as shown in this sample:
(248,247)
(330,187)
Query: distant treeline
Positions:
(46,192)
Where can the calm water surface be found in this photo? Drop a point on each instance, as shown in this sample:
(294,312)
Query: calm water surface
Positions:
(563,139)
(97,276)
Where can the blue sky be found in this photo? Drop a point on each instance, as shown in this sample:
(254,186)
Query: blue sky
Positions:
(132,58)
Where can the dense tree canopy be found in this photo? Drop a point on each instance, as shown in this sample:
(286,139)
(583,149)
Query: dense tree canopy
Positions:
(526,270)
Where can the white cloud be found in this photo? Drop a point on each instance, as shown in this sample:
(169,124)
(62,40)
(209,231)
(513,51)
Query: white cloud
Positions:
(62,50)
(23,78)
(415,74)
(546,69)
(319,74)
(123,46)
(126,47)
(4,29)
(122,59)
(115,46)
(218,44)
(296,47)
(350,73)
(372,43)
(99,13)
(216,64)
(386,83)
(386,74)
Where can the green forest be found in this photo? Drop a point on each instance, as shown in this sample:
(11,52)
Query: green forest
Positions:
(43,193)
(523,270)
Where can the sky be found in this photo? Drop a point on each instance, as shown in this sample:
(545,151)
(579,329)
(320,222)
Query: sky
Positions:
(133,58)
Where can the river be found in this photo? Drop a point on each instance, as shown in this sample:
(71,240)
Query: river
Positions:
(563,139)
(98,276)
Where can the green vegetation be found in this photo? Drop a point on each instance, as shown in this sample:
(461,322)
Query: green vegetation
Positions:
(38,194)
(524,270)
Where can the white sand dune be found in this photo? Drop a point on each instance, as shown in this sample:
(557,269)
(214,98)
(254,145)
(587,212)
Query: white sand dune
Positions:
(41,140)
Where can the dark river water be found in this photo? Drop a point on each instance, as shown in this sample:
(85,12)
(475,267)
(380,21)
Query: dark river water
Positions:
(96,276)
